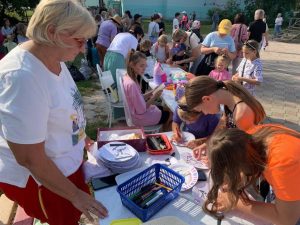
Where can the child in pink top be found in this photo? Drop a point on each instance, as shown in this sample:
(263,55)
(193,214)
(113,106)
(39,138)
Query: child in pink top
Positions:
(220,72)
(141,107)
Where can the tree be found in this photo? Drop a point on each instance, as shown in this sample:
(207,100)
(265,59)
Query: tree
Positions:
(101,4)
(271,8)
(16,6)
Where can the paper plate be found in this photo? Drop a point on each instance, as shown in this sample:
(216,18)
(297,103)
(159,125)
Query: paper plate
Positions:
(189,173)
(200,191)
(187,135)
(116,152)
(130,221)
(191,160)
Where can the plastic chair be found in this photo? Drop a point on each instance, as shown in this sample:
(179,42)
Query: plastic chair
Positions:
(147,129)
(106,82)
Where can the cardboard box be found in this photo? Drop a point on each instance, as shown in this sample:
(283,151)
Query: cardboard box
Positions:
(106,135)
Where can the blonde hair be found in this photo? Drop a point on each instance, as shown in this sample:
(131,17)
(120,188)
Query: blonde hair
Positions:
(185,115)
(66,16)
(145,45)
(201,86)
(259,14)
(163,39)
(178,34)
(224,59)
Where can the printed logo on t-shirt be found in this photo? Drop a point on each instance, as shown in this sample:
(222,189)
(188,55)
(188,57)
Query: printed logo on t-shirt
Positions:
(78,120)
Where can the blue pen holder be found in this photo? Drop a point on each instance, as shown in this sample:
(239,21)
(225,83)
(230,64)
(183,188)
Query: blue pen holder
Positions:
(156,173)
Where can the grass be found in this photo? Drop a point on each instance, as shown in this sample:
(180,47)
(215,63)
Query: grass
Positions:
(87,87)
(91,128)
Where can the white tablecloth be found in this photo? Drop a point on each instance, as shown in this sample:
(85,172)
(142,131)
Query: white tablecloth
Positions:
(183,207)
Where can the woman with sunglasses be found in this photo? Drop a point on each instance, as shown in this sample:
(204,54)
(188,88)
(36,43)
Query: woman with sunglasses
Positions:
(249,72)
(42,136)
(241,109)
(237,159)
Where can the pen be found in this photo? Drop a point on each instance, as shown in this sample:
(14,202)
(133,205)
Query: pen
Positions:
(178,132)
(219,216)
(156,197)
(163,186)
(115,145)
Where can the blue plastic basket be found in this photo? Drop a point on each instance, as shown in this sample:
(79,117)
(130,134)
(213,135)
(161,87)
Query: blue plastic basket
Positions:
(155,173)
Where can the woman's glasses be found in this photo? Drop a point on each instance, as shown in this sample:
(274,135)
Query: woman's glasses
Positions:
(185,108)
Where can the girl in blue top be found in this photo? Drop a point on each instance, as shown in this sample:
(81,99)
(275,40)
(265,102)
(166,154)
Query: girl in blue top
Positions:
(200,125)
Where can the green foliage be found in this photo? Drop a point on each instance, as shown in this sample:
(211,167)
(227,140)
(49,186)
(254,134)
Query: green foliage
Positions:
(16,8)
(271,8)
(87,87)
(91,128)
(230,10)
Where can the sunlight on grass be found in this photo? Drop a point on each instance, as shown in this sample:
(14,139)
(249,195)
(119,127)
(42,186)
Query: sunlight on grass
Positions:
(91,128)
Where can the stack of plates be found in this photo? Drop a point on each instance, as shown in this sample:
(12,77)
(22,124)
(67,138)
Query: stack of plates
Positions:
(119,157)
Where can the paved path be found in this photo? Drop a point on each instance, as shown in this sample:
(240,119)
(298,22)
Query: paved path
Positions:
(280,92)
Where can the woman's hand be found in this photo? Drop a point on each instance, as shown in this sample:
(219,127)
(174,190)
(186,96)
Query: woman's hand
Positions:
(224,51)
(157,94)
(169,61)
(88,143)
(195,143)
(178,62)
(223,202)
(200,153)
(236,78)
(177,137)
(217,50)
(87,205)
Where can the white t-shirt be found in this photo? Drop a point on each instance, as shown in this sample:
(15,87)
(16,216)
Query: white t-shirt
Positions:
(35,106)
(123,43)
(278,21)
(175,24)
(159,52)
(192,41)
(153,29)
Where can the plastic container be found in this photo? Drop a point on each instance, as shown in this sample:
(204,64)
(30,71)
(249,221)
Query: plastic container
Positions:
(159,76)
(104,136)
(166,141)
(155,173)
(129,221)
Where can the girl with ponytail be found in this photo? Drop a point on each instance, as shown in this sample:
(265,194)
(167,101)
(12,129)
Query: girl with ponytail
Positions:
(241,109)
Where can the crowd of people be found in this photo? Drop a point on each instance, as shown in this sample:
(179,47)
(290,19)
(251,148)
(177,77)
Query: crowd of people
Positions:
(11,36)
(42,136)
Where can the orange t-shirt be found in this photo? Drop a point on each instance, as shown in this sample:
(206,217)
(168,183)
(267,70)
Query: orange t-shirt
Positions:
(283,165)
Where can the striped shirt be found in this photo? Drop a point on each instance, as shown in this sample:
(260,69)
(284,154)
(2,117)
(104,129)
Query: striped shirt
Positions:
(252,70)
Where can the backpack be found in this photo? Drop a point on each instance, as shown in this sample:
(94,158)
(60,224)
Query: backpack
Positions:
(153,31)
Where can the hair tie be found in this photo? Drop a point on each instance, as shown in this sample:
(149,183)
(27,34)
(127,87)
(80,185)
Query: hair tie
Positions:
(220,84)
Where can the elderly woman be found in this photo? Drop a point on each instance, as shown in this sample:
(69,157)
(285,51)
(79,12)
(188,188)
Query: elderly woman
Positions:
(42,123)
(258,28)
(237,159)
(216,43)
